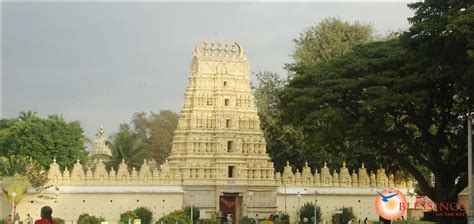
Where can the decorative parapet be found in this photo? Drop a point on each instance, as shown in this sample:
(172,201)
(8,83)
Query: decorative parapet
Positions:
(151,174)
(343,178)
(125,175)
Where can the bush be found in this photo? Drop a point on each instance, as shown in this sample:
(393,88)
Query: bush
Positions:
(347,214)
(176,216)
(266,222)
(307,211)
(89,219)
(59,220)
(144,214)
(208,221)
(3,221)
(246,220)
(128,215)
(281,218)
(196,214)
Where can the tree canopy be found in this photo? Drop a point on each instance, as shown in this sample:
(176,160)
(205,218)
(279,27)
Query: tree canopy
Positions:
(329,38)
(148,136)
(43,139)
(394,99)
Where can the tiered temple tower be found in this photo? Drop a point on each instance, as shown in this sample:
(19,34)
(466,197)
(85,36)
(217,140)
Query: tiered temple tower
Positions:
(100,150)
(218,144)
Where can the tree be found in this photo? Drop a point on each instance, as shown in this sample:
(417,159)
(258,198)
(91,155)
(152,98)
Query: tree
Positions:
(127,146)
(379,98)
(24,166)
(347,215)
(43,139)
(149,135)
(307,211)
(283,141)
(330,38)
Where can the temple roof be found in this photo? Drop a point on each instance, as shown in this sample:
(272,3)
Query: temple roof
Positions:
(99,146)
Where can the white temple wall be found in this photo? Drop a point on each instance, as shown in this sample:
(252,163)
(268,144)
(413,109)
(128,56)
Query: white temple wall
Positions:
(109,205)
(330,199)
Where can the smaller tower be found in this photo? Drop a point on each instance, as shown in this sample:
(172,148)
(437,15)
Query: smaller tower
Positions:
(100,150)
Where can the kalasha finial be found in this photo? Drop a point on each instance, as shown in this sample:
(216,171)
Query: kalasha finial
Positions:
(219,49)
(306,163)
(212,48)
(287,163)
(226,49)
(205,48)
(78,161)
(363,166)
(233,49)
(343,164)
(54,159)
(325,164)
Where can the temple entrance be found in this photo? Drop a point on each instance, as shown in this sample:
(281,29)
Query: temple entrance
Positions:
(230,203)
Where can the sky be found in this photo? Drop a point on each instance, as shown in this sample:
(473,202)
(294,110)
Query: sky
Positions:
(99,63)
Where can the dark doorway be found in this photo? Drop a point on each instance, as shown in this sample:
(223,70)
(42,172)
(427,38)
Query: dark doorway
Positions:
(229,204)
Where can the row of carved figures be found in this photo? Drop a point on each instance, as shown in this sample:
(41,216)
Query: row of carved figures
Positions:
(342,179)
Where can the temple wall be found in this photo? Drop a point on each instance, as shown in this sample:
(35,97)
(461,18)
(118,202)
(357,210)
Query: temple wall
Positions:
(106,202)
(362,201)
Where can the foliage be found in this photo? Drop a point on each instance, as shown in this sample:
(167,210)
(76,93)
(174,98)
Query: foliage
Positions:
(147,136)
(24,166)
(347,214)
(214,219)
(330,38)
(208,221)
(307,211)
(89,219)
(282,218)
(20,185)
(128,215)
(196,213)
(392,102)
(246,220)
(3,221)
(266,222)
(283,141)
(126,146)
(173,217)
(59,220)
(43,139)
(429,216)
(144,214)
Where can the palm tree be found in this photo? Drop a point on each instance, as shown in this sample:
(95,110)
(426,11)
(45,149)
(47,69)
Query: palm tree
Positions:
(127,146)
(27,115)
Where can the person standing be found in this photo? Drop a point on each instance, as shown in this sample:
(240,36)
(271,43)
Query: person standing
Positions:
(29,219)
(16,220)
(10,220)
(46,217)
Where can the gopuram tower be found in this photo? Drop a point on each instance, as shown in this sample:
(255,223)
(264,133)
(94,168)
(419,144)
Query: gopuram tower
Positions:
(218,147)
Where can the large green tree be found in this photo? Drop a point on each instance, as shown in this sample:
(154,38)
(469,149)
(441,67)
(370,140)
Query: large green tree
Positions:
(43,139)
(329,38)
(127,146)
(393,99)
(284,142)
(148,136)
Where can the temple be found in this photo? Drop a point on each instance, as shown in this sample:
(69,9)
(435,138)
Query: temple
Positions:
(218,161)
